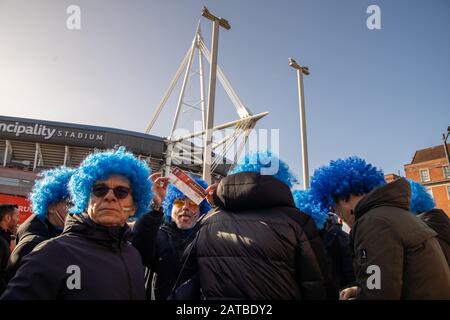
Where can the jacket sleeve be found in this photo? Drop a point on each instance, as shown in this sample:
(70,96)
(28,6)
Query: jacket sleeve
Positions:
(311,263)
(4,255)
(145,234)
(346,259)
(23,248)
(378,259)
(40,277)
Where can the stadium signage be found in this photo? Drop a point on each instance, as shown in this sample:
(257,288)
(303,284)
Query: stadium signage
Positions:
(48,132)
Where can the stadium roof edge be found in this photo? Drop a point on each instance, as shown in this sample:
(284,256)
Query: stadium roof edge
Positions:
(83,126)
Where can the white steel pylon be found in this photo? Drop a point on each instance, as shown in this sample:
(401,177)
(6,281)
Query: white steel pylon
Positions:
(242,127)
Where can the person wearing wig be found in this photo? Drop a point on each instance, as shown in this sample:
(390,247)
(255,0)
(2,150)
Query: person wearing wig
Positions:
(422,205)
(256,244)
(395,256)
(49,201)
(335,240)
(162,235)
(92,258)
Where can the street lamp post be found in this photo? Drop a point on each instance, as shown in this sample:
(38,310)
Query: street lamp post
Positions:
(444,137)
(301,99)
(207,159)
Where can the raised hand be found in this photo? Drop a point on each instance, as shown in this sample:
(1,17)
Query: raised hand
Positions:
(209,193)
(159,187)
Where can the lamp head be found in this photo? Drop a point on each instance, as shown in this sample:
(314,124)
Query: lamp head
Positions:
(293,64)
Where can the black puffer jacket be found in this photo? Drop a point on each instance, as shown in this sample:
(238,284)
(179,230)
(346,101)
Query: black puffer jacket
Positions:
(162,253)
(257,244)
(30,233)
(109,266)
(339,255)
(5,251)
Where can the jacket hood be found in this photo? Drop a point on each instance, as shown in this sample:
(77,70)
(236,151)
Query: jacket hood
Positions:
(438,220)
(394,194)
(36,227)
(252,191)
(108,236)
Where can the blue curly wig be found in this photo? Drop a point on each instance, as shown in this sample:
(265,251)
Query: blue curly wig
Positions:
(306,203)
(421,201)
(262,161)
(49,189)
(173,193)
(99,166)
(342,178)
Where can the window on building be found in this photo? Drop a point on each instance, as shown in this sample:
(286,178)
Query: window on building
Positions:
(448,191)
(424,175)
(446,172)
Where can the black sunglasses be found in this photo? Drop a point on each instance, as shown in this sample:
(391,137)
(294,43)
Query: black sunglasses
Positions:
(101,190)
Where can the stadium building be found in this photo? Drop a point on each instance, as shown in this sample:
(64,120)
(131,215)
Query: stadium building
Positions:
(28,146)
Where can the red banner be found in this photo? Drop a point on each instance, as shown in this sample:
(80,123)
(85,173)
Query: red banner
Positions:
(22,202)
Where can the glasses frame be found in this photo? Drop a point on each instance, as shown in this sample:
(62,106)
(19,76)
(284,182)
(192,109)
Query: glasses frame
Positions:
(116,191)
(191,204)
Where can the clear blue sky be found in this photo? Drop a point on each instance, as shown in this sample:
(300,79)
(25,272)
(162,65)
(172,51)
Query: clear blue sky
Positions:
(378,94)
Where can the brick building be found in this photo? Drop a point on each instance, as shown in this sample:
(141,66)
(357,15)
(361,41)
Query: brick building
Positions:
(430,168)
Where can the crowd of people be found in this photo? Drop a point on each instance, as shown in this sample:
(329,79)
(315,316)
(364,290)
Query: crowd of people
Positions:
(110,229)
